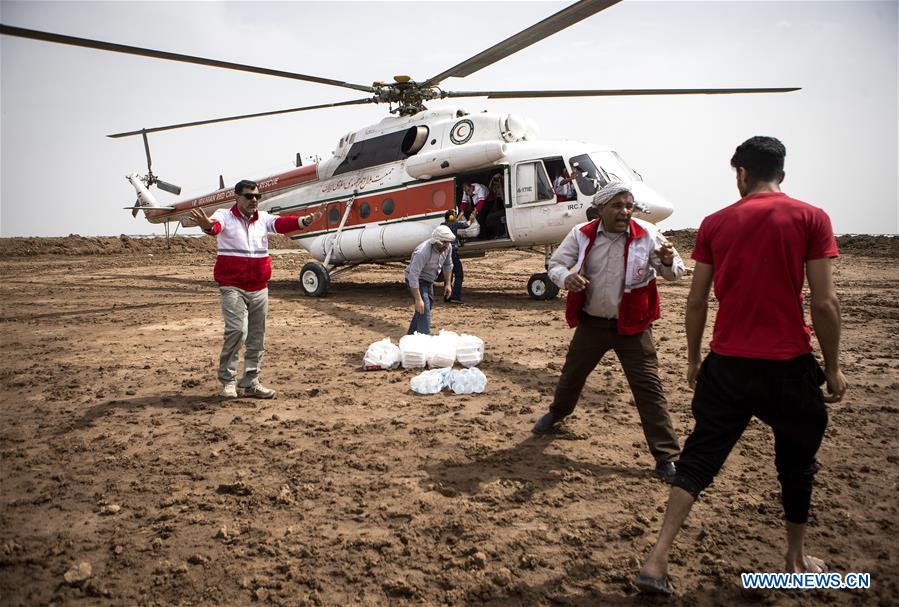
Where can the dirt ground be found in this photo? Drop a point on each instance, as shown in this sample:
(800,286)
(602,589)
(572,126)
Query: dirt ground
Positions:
(127,481)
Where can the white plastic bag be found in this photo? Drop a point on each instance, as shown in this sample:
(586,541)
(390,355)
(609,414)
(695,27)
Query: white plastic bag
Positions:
(467,381)
(382,354)
(472,231)
(414,350)
(469,350)
(430,382)
(442,349)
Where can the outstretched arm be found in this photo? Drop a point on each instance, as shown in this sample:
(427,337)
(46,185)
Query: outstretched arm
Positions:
(203,220)
(826,321)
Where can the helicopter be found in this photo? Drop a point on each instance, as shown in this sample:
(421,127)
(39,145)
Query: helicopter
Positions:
(387,185)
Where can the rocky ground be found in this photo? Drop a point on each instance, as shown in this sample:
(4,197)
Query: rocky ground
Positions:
(126,480)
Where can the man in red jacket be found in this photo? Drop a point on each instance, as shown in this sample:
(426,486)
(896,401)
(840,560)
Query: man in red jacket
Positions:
(609,267)
(757,253)
(242,269)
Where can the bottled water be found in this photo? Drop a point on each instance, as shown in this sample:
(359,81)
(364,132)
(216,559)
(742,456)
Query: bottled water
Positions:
(430,382)
(468,381)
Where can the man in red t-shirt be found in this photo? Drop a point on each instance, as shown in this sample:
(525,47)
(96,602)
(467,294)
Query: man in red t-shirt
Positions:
(757,252)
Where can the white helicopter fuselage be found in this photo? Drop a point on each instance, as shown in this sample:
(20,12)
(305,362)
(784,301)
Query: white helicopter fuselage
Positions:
(387,186)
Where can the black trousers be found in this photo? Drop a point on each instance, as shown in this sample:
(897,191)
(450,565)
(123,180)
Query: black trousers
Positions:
(786,395)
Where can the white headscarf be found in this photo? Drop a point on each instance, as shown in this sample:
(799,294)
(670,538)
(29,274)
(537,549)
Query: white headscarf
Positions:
(610,191)
(442,234)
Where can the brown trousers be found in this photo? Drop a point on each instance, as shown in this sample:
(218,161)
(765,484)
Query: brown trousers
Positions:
(593,337)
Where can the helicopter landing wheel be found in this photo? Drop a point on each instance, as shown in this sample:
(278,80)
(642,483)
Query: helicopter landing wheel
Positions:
(541,288)
(315,280)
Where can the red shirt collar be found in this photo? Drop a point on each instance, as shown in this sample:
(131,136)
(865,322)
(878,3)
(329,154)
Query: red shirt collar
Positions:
(239,215)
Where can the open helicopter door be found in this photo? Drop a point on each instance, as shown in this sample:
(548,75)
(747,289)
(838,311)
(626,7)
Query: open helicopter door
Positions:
(532,199)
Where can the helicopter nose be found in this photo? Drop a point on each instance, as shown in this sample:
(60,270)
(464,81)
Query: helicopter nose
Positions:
(657,207)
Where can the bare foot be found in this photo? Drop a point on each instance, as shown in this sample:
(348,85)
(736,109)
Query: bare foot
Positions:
(815,565)
(810,564)
(654,569)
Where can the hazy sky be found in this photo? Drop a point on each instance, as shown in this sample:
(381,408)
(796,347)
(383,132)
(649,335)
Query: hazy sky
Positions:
(60,175)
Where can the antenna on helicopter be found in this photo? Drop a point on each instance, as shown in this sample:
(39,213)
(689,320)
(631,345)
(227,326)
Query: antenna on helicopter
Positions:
(221,182)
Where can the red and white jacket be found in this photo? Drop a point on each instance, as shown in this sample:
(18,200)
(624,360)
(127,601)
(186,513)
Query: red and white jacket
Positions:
(243,260)
(639,305)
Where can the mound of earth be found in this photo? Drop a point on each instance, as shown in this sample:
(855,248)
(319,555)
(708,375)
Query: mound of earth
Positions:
(866,245)
(118,245)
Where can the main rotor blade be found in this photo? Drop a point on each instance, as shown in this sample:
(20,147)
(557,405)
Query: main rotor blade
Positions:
(525,38)
(613,92)
(145,52)
(171,188)
(147,149)
(227,118)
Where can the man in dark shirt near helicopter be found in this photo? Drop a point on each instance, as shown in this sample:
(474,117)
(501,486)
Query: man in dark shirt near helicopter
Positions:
(454,224)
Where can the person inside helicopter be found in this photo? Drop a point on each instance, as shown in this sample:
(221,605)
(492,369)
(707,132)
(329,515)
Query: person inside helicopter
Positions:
(563,187)
(495,217)
(484,205)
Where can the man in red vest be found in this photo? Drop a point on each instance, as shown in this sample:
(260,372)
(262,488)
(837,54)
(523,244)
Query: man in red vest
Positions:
(609,267)
(242,270)
(757,253)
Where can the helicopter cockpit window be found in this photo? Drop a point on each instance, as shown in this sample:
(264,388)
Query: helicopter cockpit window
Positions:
(588,175)
(614,166)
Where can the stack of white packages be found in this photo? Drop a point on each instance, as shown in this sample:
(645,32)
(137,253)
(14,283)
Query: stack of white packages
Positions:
(442,349)
(469,350)
(381,355)
(414,350)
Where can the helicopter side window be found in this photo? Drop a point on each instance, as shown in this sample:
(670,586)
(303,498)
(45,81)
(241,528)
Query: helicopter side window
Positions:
(383,149)
(532,184)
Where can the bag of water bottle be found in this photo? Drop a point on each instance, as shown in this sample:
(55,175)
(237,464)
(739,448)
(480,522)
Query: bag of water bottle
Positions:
(382,354)
(469,350)
(414,350)
(467,381)
(430,382)
(442,349)
(472,231)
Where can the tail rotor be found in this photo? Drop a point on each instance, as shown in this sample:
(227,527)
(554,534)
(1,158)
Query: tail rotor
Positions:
(144,198)
(151,179)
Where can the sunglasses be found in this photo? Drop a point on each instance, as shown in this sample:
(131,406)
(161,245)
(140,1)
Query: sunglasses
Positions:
(252,196)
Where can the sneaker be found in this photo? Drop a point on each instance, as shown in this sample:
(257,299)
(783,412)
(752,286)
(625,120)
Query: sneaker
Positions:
(546,423)
(454,301)
(229,391)
(258,391)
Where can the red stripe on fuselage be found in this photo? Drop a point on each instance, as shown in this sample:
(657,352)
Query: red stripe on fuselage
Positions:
(406,202)
(267,185)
